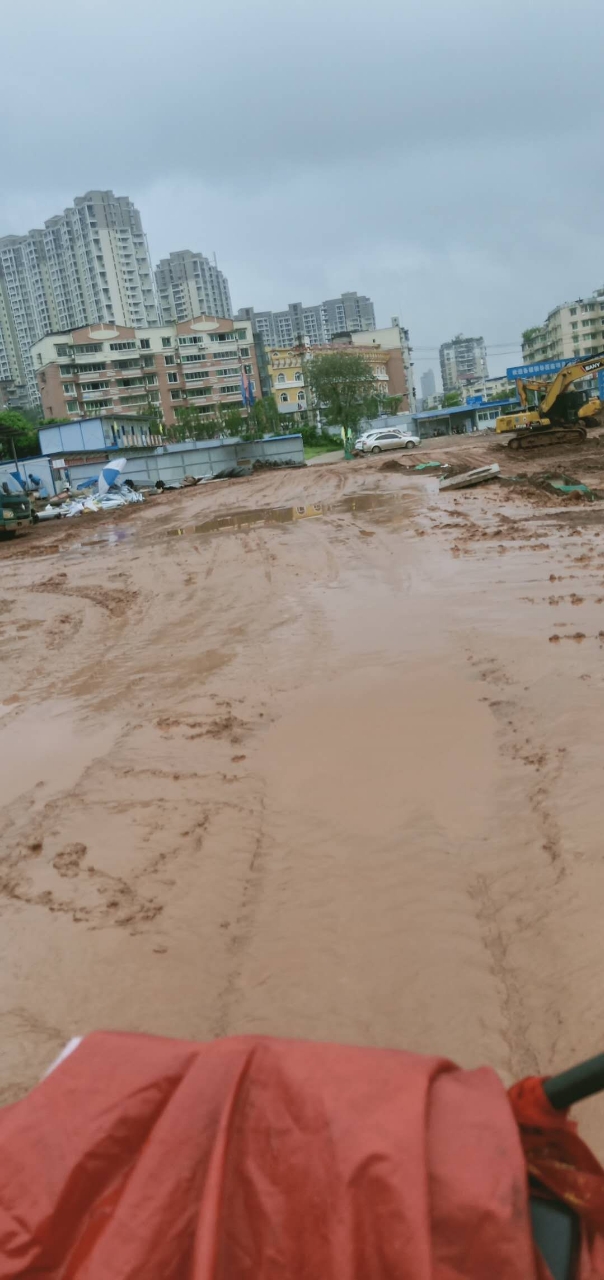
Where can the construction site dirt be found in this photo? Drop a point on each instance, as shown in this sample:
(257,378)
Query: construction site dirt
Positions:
(332,774)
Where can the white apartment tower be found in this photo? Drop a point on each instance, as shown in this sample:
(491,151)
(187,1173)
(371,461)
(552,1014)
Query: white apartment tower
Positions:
(189,285)
(88,265)
(461,361)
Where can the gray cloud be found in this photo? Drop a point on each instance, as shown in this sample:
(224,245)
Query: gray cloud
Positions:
(443,157)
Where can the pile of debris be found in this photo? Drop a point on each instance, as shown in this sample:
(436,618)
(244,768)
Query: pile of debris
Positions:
(554,483)
(112,492)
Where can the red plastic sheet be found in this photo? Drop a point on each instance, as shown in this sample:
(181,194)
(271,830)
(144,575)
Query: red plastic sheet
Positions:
(158,1159)
(562,1163)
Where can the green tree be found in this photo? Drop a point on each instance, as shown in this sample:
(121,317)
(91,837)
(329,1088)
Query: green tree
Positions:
(227,420)
(343,387)
(263,419)
(188,423)
(154,414)
(16,429)
(529,335)
(451,399)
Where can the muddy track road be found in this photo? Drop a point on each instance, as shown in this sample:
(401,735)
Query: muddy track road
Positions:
(331,770)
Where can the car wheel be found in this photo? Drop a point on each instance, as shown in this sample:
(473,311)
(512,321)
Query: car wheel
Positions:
(376,449)
(410,444)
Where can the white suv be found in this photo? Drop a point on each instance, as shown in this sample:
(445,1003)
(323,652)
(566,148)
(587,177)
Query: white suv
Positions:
(387,438)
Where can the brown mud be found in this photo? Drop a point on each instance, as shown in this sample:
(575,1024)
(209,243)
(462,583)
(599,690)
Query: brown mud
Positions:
(324,776)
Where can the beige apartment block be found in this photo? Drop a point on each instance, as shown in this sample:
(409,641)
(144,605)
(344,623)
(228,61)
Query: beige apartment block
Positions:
(572,329)
(101,369)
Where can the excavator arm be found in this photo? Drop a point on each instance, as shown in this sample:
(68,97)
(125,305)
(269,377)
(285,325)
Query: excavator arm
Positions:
(522,387)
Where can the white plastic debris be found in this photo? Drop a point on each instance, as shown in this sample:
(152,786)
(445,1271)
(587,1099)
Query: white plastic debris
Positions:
(95,502)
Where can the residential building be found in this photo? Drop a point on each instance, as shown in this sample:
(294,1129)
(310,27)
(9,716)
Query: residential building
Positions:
(571,329)
(395,339)
(461,361)
(286,374)
(350,313)
(104,369)
(286,367)
(88,265)
(189,285)
(489,389)
(428,384)
(461,419)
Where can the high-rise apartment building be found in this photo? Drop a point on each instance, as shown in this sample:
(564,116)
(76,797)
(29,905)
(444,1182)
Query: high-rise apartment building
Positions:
(428,384)
(572,329)
(461,361)
(350,313)
(189,285)
(88,265)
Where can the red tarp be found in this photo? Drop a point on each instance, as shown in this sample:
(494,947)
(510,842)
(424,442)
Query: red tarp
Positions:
(254,1158)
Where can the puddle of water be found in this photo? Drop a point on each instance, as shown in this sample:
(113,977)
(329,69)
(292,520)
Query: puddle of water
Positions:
(382,504)
(386,503)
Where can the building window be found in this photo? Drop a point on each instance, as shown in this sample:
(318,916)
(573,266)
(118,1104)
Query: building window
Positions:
(166,342)
(298,377)
(175,395)
(63,350)
(148,362)
(280,378)
(119,346)
(301,395)
(72,406)
(168,359)
(145,344)
(172,377)
(284,398)
(245,351)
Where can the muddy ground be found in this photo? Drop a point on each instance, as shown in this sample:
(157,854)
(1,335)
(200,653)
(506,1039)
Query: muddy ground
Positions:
(331,771)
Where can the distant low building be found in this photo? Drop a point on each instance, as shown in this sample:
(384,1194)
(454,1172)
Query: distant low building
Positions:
(286,366)
(489,389)
(461,419)
(96,435)
(394,339)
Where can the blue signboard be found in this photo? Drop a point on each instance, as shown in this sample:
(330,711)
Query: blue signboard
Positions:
(541,368)
(601,384)
(472,401)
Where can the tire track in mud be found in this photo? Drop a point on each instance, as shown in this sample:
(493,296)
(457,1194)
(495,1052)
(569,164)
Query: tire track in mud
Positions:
(243,926)
(516,901)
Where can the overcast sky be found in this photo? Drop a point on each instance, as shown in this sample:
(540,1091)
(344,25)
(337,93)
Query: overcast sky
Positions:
(443,156)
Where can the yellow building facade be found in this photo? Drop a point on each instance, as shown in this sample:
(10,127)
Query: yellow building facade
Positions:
(287,378)
(286,372)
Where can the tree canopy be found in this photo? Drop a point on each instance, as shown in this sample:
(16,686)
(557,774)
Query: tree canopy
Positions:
(451,399)
(343,386)
(16,429)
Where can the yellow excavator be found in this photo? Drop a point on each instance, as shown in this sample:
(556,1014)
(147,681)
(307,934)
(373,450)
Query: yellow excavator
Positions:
(561,416)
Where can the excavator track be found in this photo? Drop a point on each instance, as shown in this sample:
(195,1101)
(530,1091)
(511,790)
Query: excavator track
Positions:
(545,439)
